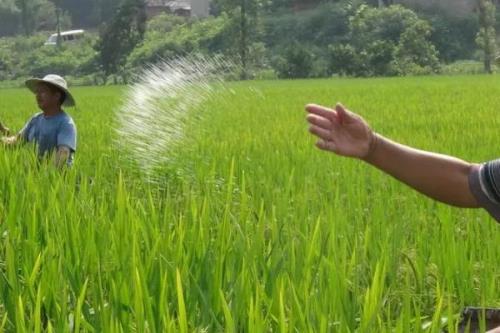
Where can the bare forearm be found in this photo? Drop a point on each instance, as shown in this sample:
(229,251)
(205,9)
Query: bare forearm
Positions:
(62,156)
(440,177)
(4,130)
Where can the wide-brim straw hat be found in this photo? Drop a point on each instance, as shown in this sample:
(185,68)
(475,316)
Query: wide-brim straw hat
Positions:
(56,81)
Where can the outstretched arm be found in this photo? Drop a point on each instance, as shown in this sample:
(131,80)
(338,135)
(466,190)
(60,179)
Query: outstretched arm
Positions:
(4,130)
(62,156)
(440,177)
(6,138)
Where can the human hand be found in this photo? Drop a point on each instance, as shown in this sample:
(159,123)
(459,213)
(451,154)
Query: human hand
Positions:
(4,130)
(495,330)
(8,140)
(341,131)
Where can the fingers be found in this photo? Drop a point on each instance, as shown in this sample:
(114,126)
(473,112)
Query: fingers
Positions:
(321,132)
(324,123)
(342,114)
(345,116)
(319,121)
(322,111)
(326,145)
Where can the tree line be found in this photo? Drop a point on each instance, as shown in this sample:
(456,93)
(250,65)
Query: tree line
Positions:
(30,16)
(272,38)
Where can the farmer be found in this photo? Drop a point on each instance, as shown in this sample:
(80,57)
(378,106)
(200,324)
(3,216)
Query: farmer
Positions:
(52,130)
(443,178)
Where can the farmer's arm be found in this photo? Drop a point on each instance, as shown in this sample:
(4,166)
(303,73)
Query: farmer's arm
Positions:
(7,139)
(66,144)
(62,156)
(440,177)
(4,130)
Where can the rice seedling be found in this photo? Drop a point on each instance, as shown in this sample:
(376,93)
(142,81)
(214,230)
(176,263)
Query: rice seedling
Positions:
(251,228)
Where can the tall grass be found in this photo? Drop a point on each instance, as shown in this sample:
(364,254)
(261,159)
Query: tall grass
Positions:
(253,230)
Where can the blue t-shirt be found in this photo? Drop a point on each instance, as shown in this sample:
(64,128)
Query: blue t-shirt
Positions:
(51,132)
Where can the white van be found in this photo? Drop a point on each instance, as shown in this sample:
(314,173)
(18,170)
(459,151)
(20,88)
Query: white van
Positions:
(66,36)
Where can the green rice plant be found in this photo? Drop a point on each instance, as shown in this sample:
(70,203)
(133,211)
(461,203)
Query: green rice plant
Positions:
(252,229)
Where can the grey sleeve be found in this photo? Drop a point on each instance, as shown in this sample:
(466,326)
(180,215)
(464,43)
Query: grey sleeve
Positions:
(484,182)
(67,136)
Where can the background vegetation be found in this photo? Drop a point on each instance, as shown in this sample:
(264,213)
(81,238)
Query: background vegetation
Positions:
(269,39)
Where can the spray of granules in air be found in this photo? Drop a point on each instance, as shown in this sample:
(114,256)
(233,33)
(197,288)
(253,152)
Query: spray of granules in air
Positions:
(152,121)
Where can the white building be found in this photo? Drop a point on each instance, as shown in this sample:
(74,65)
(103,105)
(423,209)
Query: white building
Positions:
(200,8)
(195,8)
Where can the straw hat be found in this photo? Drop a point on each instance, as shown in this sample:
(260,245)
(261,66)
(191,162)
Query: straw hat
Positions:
(56,81)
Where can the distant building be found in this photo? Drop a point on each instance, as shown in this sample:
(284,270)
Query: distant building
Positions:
(200,8)
(196,8)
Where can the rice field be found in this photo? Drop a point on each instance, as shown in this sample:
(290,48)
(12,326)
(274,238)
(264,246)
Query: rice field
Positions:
(251,229)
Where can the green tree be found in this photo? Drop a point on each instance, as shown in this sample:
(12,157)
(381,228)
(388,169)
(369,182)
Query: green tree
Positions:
(106,9)
(9,16)
(84,13)
(486,37)
(50,16)
(119,38)
(369,24)
(274,5)
(171,36)
(414,54)
(378,56)
(296,62)
(344,60)
(323,25)
(244,15)
(35,15)
(380,3)
(27,10)
(453,35)
(389,37)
